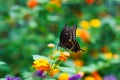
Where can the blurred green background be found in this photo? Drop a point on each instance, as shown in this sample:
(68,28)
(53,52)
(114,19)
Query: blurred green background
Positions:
(27,26)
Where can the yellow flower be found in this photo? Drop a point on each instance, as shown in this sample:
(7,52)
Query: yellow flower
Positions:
(108,55)
(50,45)
(54,71)
(89,78)
(56,2)
(63,76)
(41,64)
(84,24)
(95,23)
(67,54)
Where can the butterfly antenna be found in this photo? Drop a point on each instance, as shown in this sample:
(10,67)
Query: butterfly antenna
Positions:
(82,50)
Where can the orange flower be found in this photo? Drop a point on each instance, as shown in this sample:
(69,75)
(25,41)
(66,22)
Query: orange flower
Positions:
(77,13)
(62,57)
(94,54)
(56,2)
(105,49)
(41,64)
(63,76)
(78,62)
(90,1)
(115,56)
(89,78)
(83,34)
(75,55)
(54,71)
(96,75)
(32,3)
(50,8)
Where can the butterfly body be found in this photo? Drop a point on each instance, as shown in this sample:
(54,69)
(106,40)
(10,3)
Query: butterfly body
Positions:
(68,39)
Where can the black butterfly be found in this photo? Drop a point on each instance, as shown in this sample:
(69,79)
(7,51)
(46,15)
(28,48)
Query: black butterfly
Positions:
(68,39)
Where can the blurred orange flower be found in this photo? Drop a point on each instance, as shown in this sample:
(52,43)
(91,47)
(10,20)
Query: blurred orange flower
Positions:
(115,56)
(84,24)
(94,54)
(50,8)
(96,75)
(56,2)
(32,3)
(78,62)
(105,49)
(77,13)
(90,1)
(41,64)
(54,71)
(89,78)
(75,55)
(83,34)
(95,23)
(63,76)
(62,57)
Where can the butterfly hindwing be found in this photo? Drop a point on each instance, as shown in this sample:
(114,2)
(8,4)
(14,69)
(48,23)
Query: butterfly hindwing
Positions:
(76,48)
(64,35)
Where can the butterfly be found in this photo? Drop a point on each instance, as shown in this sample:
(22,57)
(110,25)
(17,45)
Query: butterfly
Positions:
(68,39)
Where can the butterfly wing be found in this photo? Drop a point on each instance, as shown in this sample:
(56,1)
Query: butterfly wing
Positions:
(64,36)
(76,47)
(68,39)
(72,32)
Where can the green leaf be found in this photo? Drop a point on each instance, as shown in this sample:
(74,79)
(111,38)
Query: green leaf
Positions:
(2,79)
(2,63)
(36,57)
(67,69)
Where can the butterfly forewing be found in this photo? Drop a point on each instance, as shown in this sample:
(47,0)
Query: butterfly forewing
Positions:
(72,32)
(65,35)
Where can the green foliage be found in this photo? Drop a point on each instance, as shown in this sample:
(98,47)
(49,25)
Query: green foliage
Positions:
(26,31)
